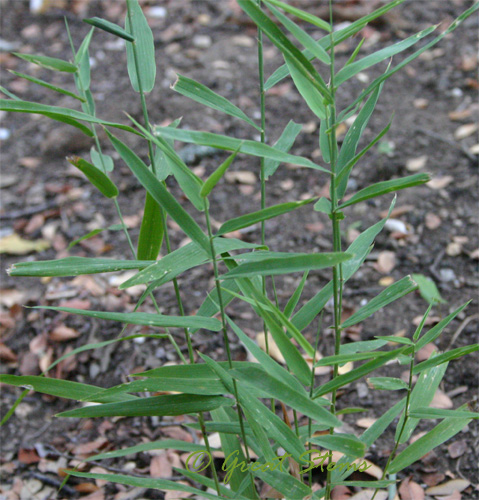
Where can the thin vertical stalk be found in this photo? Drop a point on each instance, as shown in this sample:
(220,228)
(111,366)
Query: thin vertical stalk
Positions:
(201,419)
(224,330)
(335,217)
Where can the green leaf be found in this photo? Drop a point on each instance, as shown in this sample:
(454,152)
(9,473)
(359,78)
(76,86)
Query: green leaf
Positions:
(441,433)
(338,37)
(94,232)
(48,62)
(421,395)
(366,62)
(144,46)
(294,299)
(284,143)
(101,161)
(100,180)
(289,51)
(440,413)
(180,260)
(146,319)
(385,187)
(64,115)
(189,182)
(273,387)
(357,373)
(360,248)
(395,339)
(46,85)
(435,331)
(215,177)
(370,435)
(9,94)
(301,14)
(261,215)
(362,346)
(232,144)
(171,405)
(428,289)
(306,40)
(283,263)
(341,359)
(82,60)
(109,27)
(392,293)
(74,266)
(446,356)
(164,444)
(145,482)
(62,388)
(323,205)
(160,194)
(151,230)
(311,95)
(202,94)
(344,443)
(284,482)
(387,383)
(273,368)
(351,140)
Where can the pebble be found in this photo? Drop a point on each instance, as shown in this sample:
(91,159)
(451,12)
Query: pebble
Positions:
(447,274)
(396,225)
(4,134)
(157,12)
(202,41)
(362,389)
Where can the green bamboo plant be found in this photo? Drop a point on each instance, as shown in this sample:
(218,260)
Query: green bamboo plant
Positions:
(246,402)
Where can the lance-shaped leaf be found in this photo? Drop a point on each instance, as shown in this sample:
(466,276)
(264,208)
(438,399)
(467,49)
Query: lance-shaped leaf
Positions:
(273,387)
(341,359)
(146,319)
(457,22)
(100,180)
(428,289)
(232,144)
(301,14)
(202,94)
(160,194)
(182,259)
(279,39)
(82,60)
(392,293)
(360,248)
(442,413)
(387,383)
(46,85)
(160,406)
(215,177)
(359,372)
(48,62)
(109,27)
(446,356)
(366,62)
(143,45)
(261,215)
(325,42)
(306,40)
(74,266)
(284,143)
(94,232)
(385,187)
(422,394)
(102,161)
(63,388)
(151,230)
(274,263)
(294,299)
(64,115)
(344,443)
(441,433)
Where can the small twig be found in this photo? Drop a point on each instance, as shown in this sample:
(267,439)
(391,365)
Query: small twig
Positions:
(461,328)
(56,483)
(452,143)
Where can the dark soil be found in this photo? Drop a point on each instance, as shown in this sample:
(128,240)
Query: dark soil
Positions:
(228,64)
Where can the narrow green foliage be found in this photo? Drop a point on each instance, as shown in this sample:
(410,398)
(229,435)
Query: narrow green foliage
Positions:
(215,177)
(109,27)
(51,63)
(152,230)
(100,180)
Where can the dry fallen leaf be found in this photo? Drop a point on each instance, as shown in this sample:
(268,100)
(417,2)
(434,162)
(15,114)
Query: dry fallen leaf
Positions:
(465,131)
(341,492)
(425,352)
(420,103)
(441,400)
(457,449)
(240,177)
(449,487)
(386,262)
(160,466)
(15,245)
(368,494)
(386,281)
(6,354)
(63,333)
(437,183)
(274,351)
(432,478)
(173,494)
(432,221)
(346,368)
(366,422)
(409,490)
(415,164)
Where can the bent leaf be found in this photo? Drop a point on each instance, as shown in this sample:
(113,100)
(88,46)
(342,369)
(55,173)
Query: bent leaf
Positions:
(100,180)
(109,27)
(48,62)
(46,85)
